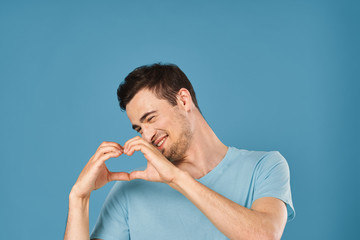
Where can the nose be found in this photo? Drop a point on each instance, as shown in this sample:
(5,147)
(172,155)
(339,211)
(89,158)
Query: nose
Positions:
(148,134)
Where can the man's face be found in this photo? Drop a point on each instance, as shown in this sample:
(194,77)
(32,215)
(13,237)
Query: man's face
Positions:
(160,123)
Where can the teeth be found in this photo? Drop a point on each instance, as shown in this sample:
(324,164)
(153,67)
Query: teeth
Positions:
(161,142)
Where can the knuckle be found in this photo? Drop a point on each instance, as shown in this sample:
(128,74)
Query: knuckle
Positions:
(100,150)
(101,145)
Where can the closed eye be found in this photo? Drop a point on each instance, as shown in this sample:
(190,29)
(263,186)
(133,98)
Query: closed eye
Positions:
(137,128)
(148,120)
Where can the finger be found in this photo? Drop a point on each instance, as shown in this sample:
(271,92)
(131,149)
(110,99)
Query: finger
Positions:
(104,150)
(152,154)
(119,176)
(134,146)
(114,144)
(142,147)
(137,175)
(109,147)
(107,156)
(131,141)
(117,146)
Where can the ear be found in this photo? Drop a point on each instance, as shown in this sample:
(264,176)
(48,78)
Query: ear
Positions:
(184,99)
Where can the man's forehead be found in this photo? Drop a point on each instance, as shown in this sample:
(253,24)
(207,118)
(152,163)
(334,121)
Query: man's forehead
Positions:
(143,98)
(144,101)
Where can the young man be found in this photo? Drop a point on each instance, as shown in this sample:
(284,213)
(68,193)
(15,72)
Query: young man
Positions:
(193,187)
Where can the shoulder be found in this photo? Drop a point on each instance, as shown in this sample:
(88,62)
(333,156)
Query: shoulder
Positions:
(256,158)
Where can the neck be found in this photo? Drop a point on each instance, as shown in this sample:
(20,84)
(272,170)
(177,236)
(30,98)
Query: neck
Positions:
(205,152)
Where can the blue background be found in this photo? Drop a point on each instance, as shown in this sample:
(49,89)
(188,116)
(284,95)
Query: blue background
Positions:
(269,75)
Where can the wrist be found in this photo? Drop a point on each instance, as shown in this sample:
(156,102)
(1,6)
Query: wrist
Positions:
(180,178)
(78,199)
(78,203)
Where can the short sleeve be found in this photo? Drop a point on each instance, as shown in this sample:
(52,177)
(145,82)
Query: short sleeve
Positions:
(273,180)
(112,223)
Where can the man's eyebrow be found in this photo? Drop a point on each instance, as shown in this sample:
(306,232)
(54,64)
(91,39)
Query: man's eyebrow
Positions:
(145,115)
(142,119)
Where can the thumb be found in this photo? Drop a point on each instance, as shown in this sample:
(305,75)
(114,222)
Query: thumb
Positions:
(119,176)
(137,175)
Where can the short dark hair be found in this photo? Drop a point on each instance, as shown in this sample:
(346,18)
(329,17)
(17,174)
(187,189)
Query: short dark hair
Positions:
(165,80)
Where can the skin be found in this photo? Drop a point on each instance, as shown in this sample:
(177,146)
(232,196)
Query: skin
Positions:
(190,150)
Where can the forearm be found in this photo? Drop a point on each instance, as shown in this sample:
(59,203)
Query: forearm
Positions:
(93,176)
(232,219)
(77,226)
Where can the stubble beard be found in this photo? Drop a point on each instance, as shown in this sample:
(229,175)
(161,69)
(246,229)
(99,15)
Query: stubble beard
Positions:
(177,150)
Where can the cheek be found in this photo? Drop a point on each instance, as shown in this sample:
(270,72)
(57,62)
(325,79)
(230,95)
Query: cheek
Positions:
(162,124)
(165,124)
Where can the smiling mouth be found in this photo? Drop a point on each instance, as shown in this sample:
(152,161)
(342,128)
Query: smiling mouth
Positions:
(161,142)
